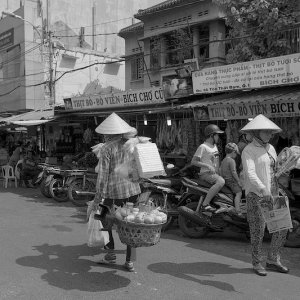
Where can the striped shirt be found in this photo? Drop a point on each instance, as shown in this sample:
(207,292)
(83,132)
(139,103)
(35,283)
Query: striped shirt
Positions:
(109,184)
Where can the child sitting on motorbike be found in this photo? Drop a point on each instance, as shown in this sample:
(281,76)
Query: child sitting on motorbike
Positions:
(229,173)
(207,158)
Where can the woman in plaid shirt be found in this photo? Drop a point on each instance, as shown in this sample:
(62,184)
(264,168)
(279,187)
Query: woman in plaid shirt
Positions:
(111,187)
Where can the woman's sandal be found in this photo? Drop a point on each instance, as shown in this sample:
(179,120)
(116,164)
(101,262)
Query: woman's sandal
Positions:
(208,208)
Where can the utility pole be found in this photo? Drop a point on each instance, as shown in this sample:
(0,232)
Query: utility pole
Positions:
(49,38)
(93,26)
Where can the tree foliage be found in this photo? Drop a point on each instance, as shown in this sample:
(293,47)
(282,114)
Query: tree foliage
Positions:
(257,28)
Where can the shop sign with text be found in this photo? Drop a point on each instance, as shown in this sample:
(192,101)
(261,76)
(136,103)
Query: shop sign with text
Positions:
(255,74)
(270,108)
(129,98)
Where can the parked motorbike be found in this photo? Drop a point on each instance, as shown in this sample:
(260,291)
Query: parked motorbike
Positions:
(197,223)
(60,182)
(44,178)
(82,189)
(166,192)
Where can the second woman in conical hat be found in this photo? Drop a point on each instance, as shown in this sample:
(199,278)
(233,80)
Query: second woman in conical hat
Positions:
(259,166)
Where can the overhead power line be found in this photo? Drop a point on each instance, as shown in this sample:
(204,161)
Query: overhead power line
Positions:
(21,76)
(19,55)
(20,85)
(99,24)
(97,34)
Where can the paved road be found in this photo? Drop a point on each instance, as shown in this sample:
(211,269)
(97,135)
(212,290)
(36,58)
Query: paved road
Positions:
(44,256)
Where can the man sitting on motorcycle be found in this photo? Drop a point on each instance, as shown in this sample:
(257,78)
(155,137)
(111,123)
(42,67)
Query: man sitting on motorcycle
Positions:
(207,159)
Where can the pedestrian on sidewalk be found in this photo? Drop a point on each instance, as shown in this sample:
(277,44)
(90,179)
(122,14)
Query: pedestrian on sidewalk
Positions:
(259,166)
(114,189)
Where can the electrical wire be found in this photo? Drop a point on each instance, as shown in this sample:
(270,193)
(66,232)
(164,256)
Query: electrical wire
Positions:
(82,68)
(21,76)
(19,55)
(72,28)
(26,86)
(182,25)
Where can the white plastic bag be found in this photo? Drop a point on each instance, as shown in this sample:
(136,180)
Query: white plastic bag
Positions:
(96,237)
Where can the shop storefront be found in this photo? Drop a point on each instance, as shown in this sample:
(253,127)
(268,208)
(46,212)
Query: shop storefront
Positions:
(148,111)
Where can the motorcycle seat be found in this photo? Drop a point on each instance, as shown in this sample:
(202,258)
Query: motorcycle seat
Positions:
(225,189)
(169,182)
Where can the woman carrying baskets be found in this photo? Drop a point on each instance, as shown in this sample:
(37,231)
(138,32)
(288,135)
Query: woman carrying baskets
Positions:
(114,189)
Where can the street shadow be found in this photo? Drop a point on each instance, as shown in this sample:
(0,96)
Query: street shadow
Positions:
(234,246)
(59,228)
(66,269)
(35,196)
(189,271)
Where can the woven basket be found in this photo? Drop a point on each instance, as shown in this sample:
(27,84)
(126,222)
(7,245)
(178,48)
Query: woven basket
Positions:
(138,235)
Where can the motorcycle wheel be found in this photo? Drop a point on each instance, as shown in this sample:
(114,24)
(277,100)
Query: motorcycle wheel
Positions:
(56,194)
(45,189)
(158,200)
(187,226)
(77,185)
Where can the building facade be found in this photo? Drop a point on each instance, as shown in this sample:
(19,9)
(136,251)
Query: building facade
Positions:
(170,35)
(21,63)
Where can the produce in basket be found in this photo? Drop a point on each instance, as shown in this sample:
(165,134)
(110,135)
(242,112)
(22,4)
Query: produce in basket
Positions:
(139,228)
(153,216)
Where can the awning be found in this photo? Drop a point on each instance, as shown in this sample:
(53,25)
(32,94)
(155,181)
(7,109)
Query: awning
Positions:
(291,92)
(29,123)
(31,118)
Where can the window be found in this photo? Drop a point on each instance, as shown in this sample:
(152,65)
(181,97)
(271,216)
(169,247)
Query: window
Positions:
(137,68)
(155,52)
(203,43)
(10,62)
(179,45)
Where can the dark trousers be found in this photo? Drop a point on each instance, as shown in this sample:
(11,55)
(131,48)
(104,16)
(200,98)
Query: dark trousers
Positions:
(118,202)
(28,174)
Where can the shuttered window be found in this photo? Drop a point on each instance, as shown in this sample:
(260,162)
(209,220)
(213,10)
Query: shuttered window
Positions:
(137,68)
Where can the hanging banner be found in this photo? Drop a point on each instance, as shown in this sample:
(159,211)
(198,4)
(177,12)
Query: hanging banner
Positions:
(176,86)
(143,97)
(255,74)
(270,108)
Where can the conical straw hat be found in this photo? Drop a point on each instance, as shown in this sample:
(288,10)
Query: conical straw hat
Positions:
(113,124)
(261,122)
